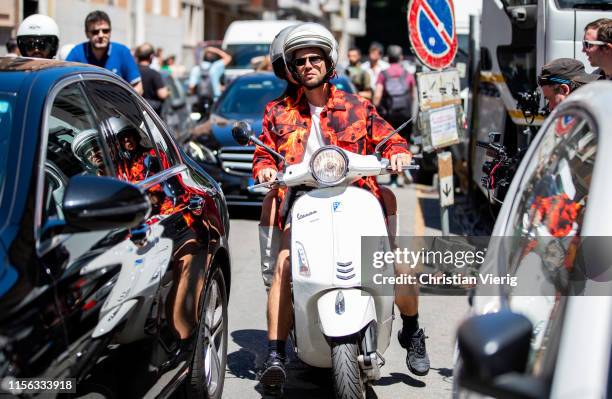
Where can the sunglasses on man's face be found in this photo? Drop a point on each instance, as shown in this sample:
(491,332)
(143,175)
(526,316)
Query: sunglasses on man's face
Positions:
(314,60)
(587,44)
(106,31)
(36,43)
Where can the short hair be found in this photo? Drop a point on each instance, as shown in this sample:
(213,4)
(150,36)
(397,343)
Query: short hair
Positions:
(11,45)
(376,46)
(96,16)
(144,52)
(604,33)
(596,24)
(394,53)
(355,49)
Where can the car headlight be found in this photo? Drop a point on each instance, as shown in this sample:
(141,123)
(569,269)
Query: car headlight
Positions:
(329,165)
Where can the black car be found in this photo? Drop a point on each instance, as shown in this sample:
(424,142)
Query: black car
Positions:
(114,260)
(230,164)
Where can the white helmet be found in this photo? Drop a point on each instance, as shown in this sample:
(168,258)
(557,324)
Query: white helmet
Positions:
(277,50)
(84,141)
(38,30)
(311,34)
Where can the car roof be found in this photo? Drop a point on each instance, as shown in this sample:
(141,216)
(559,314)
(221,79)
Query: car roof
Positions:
(15,70)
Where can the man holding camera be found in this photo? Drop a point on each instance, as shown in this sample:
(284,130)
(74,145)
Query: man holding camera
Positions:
(560,77)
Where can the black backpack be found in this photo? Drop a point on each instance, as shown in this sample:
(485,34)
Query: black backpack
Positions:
(397,96)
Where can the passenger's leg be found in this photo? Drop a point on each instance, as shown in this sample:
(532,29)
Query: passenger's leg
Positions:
(269,236)
(280,312)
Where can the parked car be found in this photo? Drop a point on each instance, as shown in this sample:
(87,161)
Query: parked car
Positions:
(176,111)
(548,334)
(114,258)
(230,164)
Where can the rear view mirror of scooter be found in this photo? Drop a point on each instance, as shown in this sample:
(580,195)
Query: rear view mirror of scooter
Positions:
(243,134)
(380,145)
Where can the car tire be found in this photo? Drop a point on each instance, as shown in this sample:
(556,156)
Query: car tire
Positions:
(207,374)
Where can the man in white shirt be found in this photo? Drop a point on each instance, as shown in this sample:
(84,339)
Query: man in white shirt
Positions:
(375,64)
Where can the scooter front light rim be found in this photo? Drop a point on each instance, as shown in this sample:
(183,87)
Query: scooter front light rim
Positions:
(341,176)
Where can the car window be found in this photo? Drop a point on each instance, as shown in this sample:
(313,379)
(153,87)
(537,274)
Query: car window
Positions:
(544,246)
(7,109)
(131,146)
(160,138)
(249,96)
(74,147)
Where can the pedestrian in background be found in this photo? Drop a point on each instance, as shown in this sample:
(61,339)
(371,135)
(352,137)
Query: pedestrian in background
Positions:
(359,77)
(394,96)
(597,45)
(100,51)
(153,87)
(11,48)
(158,59)
(38,37)
(375,64)
(205,79)
(560,77)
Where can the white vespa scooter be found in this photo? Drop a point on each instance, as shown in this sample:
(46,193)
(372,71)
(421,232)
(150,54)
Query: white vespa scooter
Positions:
(338,322)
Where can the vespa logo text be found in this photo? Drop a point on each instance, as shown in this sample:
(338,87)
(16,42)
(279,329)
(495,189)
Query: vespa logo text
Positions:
(301,216)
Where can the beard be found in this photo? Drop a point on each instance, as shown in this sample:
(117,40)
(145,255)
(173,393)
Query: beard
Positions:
(313,84)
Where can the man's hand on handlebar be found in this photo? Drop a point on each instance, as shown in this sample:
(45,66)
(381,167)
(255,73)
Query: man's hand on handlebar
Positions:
(400,161)
(267,175)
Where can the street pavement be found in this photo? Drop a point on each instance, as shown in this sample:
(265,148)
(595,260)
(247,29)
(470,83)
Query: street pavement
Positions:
(247,344)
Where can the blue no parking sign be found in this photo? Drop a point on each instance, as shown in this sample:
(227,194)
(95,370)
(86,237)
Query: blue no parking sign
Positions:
(431,24)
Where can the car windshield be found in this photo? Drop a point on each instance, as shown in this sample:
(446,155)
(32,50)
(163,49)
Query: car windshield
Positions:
(242,54)
(249,97)
(7,108)
(594,4)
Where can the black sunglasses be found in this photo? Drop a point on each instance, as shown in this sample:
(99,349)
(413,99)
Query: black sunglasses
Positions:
(106,31)
(314,60)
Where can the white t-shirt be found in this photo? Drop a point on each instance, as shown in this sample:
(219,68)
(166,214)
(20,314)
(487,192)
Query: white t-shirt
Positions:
(315,139)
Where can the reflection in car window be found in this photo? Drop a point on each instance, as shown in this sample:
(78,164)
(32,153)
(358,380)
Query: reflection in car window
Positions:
(544,250)
(134,153)
(164,146)
(74,147)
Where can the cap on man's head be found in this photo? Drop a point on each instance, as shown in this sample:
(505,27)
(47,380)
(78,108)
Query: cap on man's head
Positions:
(564,71)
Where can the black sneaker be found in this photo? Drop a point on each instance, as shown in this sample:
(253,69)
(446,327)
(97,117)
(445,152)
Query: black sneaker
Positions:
(416,358)
(273,372)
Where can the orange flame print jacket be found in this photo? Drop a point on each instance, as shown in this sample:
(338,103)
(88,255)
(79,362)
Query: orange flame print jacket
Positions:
(347,121)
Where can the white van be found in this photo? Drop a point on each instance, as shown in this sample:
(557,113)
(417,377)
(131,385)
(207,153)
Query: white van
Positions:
(245,40)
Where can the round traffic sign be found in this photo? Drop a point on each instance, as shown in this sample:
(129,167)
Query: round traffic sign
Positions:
(431,24)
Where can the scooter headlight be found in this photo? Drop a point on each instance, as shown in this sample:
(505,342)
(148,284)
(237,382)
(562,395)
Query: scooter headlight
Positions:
(329,165)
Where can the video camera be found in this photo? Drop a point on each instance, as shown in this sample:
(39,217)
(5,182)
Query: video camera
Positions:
(499,171)
(529,103)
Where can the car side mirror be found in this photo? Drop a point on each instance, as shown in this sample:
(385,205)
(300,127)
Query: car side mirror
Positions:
(494,350)
(102,203)
(241,132)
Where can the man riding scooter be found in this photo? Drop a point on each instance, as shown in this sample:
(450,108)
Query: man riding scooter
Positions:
(296,126)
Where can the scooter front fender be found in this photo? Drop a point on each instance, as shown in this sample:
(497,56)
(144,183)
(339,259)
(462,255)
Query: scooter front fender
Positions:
(344,312)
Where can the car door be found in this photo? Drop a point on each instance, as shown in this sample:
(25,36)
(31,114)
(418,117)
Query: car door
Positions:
(145,155)
(544,237)
(74,145)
